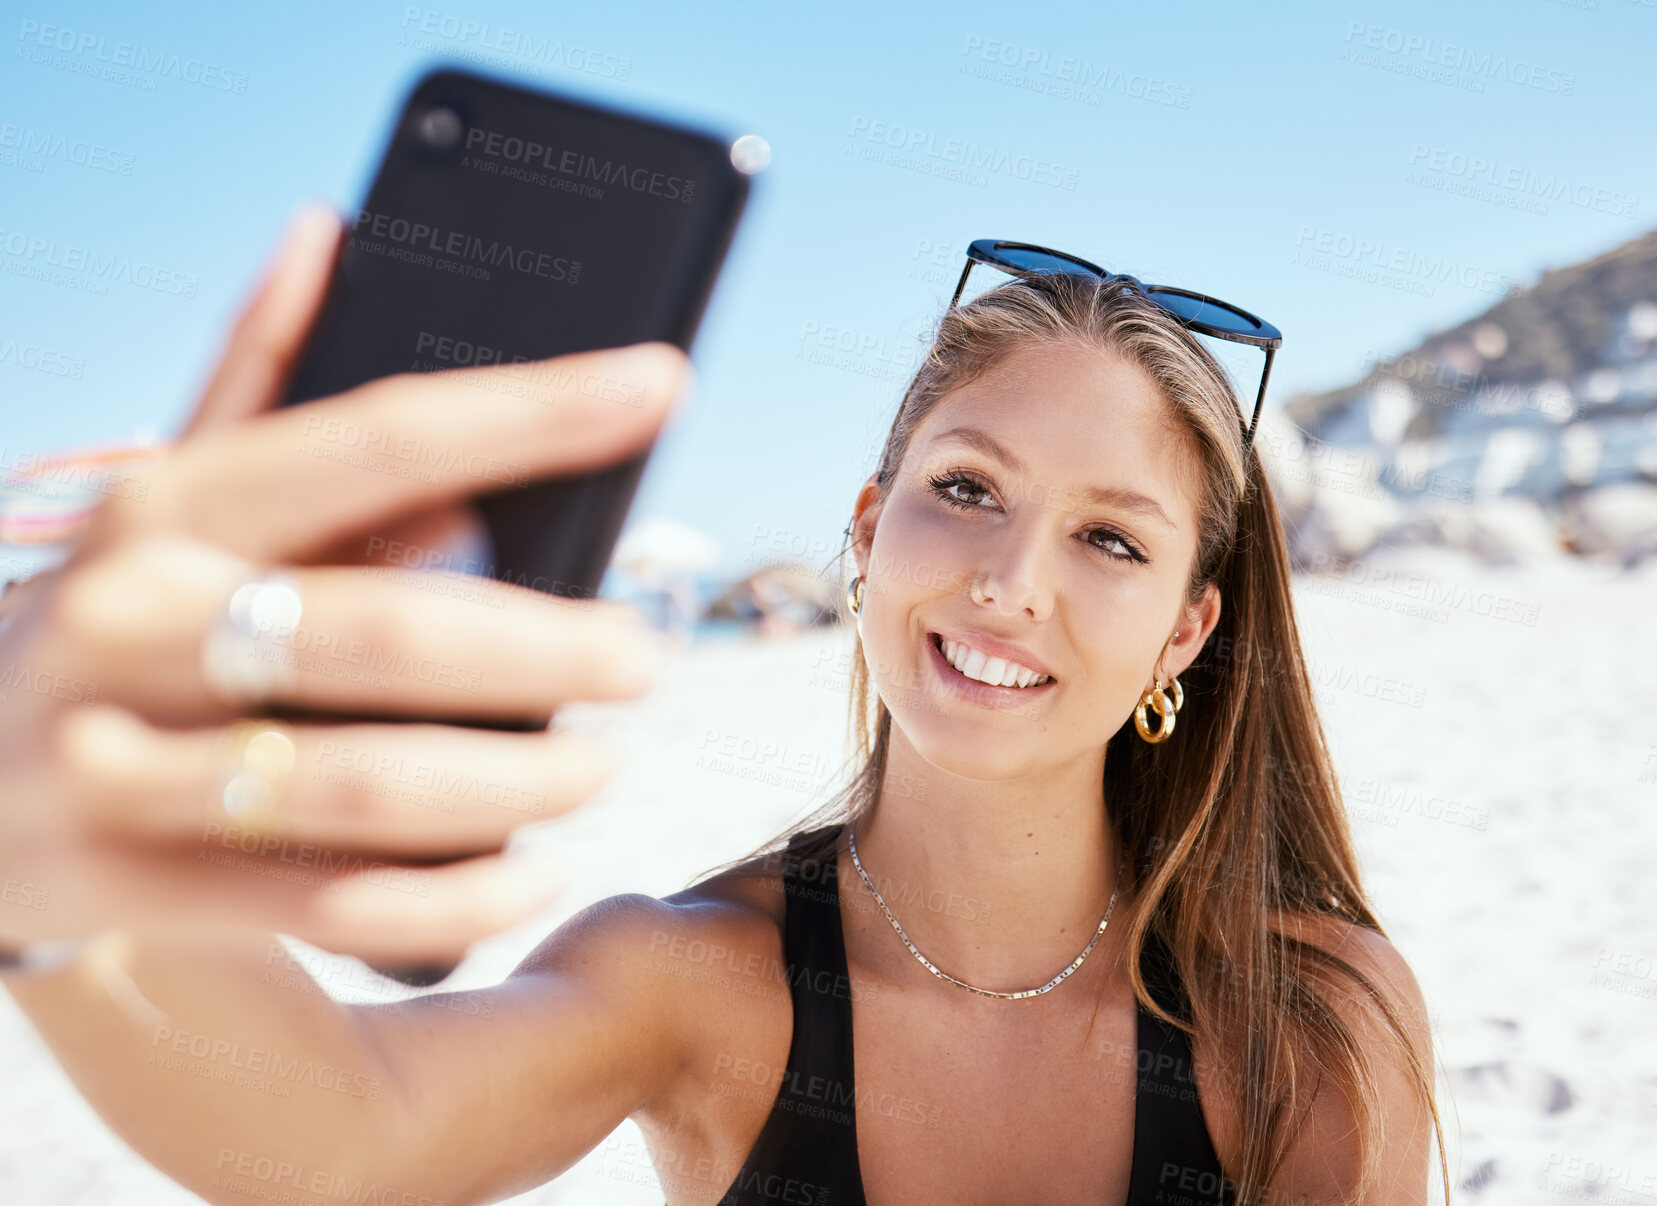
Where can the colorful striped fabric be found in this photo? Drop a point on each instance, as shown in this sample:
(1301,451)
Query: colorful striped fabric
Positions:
(46,498)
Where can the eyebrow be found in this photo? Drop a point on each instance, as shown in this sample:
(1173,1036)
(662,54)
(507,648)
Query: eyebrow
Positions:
(1118,496)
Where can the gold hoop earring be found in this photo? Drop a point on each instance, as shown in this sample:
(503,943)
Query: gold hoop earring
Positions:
(1165,709)
(854,596)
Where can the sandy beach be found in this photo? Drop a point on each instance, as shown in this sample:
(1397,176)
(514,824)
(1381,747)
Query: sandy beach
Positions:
(1496,741)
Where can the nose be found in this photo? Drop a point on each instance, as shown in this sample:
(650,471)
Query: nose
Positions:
(1017,581)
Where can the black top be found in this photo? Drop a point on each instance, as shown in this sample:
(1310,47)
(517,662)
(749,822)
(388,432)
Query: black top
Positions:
(807,1152)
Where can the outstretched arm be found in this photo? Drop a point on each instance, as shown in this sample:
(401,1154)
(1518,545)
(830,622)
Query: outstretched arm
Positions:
(225,1065)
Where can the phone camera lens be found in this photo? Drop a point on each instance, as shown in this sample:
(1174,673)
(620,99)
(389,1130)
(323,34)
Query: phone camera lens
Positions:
(440,128)
(750,154)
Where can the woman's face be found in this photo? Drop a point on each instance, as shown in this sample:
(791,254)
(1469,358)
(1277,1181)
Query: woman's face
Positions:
(1043,515)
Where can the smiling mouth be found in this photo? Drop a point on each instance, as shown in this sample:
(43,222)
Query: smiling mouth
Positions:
(1037,684)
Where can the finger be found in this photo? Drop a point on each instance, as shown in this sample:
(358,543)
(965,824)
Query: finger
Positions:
(397,790)
(286,484)
(419,914)
(383,912)
(271,330)
(140,625)
(449,537)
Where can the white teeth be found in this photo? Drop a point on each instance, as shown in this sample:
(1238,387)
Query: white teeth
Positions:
(995,671)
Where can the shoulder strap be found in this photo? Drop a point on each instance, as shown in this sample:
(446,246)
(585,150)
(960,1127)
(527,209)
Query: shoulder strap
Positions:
(1173,1156)
(807,1150)
(814,951)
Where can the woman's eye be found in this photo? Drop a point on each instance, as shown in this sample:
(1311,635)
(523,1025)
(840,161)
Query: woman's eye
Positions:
(1112,539)
(945,487)
(968,494)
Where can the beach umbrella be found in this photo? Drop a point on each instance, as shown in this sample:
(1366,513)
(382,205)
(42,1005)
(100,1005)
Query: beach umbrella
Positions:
(656,550)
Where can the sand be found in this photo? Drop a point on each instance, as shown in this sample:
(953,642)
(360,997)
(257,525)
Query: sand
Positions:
(1496,735)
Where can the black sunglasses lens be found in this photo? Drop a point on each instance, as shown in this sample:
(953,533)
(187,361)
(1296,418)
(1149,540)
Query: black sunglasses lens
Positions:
(1217,316)
(1027,260)
(1195,309)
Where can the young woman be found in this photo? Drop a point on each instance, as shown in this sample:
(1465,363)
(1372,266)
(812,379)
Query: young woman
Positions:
(1046,946)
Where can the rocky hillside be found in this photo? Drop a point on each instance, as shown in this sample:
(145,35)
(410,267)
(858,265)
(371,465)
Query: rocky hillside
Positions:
(1527,430)
(1572,322)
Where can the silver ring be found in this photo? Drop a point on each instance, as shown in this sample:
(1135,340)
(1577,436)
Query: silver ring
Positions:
(245,657)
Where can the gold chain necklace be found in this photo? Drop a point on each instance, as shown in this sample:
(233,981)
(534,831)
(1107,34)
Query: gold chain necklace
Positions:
(984,992)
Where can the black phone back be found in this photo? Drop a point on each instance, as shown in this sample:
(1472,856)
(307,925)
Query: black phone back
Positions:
(507,225)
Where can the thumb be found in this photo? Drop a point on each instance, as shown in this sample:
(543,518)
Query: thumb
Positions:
(273,324)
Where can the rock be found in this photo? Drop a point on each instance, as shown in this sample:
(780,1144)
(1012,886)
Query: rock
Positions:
(1283,454)
(1618,520)
(1506,530)
(1342,526)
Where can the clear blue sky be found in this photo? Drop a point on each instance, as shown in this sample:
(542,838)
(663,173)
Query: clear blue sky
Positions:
(1211,143)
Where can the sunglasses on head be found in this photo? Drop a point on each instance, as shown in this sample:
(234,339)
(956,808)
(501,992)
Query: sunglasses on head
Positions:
(1195,311)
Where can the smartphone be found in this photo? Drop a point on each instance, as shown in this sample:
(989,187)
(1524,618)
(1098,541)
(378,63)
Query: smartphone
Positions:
(507,224)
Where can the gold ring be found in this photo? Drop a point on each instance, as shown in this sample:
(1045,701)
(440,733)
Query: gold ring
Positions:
(257,769)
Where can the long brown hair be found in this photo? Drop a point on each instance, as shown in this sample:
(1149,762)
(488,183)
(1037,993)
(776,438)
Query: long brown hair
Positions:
(1236,818)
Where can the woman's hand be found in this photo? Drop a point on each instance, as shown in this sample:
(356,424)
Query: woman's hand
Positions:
(131,791)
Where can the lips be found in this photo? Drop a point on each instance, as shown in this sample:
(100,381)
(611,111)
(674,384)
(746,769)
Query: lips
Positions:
(955,683)
(991,646)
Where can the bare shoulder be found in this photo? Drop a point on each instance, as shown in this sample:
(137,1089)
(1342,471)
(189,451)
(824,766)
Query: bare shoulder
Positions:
(632,932)
(1322,1160)
(1371,954)
(608,1018)
(704,969)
